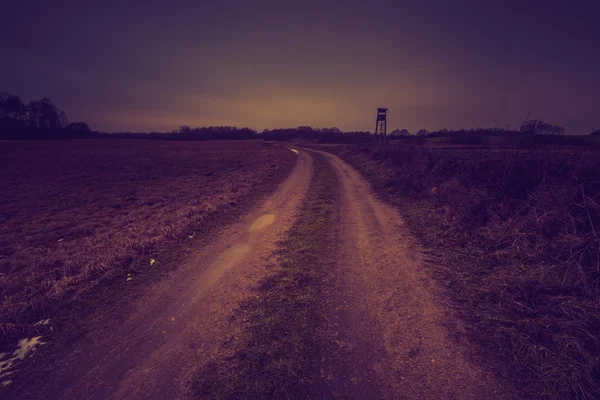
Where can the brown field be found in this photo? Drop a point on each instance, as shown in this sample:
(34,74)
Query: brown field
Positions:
(514,236)
(77,214)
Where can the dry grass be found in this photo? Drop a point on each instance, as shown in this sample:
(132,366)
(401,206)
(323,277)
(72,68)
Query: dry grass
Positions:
(285,328)
(516,235)
(77,214)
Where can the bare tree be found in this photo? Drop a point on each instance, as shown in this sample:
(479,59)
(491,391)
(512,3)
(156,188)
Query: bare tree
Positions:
(536,127)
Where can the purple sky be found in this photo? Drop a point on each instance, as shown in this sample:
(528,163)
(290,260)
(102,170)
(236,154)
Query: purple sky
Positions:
(150,65)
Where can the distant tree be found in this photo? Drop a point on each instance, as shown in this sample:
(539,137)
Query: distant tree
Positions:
(400,132)
(184,129)
(79,126)
(44,114)
(63,119)
(595,132)
(12,108)
(335,129)
(50,114)
(33,117)
(422,132)
(536,127)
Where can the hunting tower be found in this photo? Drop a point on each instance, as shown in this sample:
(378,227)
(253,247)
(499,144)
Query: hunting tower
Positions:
(381,125)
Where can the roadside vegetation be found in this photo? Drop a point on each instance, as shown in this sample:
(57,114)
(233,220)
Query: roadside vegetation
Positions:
(77,215)
(284,327)
(516,240)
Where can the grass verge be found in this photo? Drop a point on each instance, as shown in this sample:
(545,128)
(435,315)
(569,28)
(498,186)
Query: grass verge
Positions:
(284,333)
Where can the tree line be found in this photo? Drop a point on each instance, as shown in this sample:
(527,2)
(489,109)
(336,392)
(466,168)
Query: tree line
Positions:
(42,119)
(185,132)
(36,119)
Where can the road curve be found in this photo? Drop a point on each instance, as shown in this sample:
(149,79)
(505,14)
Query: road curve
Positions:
(171,330)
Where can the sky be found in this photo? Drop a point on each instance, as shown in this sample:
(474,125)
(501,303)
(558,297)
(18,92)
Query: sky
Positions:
(153,66)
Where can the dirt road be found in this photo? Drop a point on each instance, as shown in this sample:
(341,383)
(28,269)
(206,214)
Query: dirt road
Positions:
(400,336)
(409,323)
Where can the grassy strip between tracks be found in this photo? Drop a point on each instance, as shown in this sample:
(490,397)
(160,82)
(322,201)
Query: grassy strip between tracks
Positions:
(284,323)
